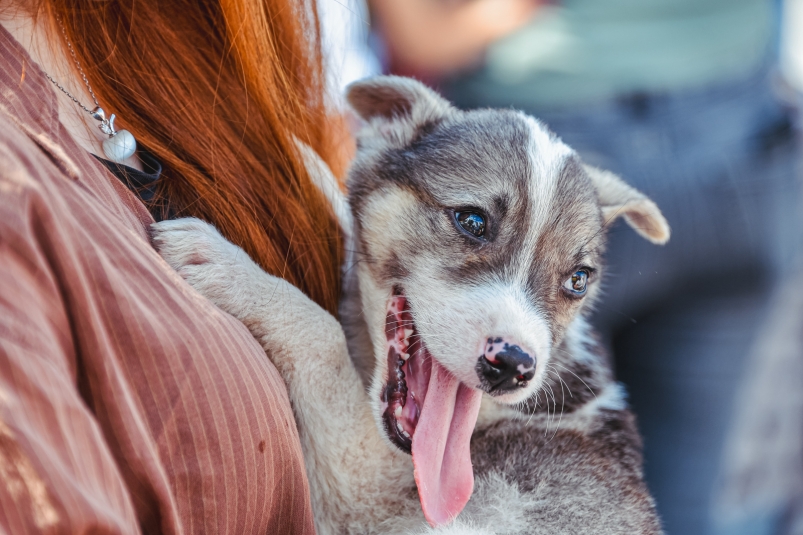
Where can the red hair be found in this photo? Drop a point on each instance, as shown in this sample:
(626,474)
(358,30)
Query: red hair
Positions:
(217,91)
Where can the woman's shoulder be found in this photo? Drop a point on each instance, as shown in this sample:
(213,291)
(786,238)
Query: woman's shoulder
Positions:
(22,162)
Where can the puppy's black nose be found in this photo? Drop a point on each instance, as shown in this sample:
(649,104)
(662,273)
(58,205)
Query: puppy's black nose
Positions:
(504,367)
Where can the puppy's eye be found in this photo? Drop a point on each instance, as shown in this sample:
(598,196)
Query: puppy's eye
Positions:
(471,222)
(578,282)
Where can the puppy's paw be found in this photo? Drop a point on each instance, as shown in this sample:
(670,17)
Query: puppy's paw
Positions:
(284,320)
(215,267)
(190,241)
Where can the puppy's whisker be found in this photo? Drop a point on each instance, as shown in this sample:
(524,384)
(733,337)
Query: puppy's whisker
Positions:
(534,410)
(562,404)
(581,380)
(554,404)
(557,374)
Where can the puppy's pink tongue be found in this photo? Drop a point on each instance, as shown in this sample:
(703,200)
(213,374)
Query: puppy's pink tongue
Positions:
(441,455)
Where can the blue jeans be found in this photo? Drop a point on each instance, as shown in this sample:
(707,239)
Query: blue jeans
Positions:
(722,164)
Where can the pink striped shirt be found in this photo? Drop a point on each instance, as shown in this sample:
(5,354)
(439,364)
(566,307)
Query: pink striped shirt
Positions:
(128,403)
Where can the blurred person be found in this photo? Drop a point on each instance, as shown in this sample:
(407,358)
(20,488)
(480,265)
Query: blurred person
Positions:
(678,98)
(428,39)
(763,458)
(763,468)
(128,403)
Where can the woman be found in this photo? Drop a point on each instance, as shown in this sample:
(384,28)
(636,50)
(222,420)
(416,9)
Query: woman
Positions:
(127,402)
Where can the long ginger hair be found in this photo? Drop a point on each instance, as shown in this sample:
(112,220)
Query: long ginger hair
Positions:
(217,90)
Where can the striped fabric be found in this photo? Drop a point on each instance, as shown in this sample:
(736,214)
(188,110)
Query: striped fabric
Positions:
(128,403)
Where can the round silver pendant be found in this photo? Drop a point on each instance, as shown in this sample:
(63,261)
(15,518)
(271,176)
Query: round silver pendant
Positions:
(120,147)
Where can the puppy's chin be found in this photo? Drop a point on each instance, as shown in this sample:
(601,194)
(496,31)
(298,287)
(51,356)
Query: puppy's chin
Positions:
(378,407)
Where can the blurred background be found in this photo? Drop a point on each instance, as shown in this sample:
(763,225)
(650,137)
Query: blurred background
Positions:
(695,102)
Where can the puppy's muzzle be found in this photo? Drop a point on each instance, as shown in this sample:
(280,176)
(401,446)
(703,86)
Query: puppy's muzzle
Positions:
(504,367)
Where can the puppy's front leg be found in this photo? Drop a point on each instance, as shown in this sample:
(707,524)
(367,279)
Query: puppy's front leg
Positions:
(348,466)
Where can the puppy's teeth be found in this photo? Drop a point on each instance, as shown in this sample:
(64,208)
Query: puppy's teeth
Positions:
(397,413)
(407,333)
(404,356)
(400,428)
(406,434)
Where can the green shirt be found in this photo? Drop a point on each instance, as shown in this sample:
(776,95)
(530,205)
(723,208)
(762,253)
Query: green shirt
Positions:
(586,50)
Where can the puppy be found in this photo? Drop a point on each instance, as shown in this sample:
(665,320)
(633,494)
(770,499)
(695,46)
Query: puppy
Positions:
(475,244)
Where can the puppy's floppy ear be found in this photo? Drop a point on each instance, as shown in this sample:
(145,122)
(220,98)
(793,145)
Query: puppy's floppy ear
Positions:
(396,107)
(618,199)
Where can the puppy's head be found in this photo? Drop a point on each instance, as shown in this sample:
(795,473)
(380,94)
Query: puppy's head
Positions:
(481,237)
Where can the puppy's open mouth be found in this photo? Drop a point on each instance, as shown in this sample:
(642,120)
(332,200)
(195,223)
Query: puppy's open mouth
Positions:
(409,371)
(430,414)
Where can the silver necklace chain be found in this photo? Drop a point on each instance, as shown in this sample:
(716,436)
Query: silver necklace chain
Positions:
(121,144)
(80,70)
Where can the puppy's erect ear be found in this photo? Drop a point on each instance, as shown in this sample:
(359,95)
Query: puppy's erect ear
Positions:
(395,107)
(618,199)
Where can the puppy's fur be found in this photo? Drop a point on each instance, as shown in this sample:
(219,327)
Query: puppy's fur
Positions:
(555,452)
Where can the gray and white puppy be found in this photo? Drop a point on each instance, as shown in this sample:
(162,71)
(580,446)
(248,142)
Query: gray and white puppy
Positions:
(476,243)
